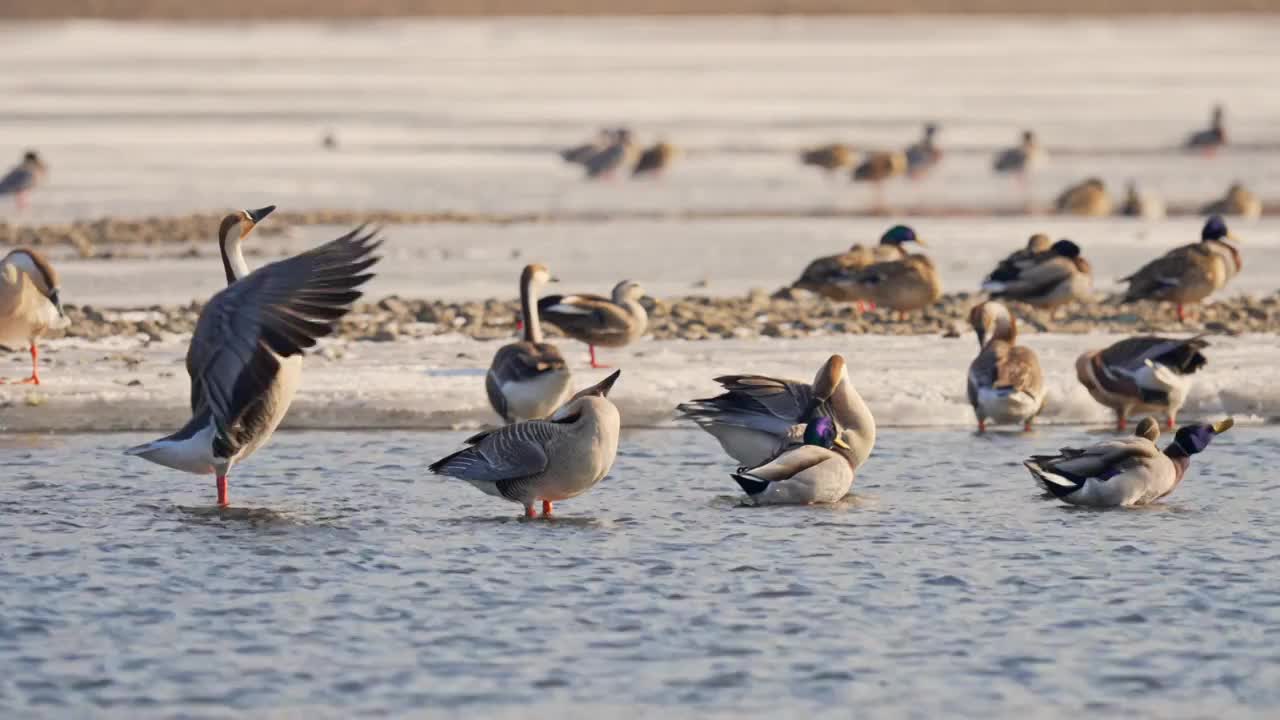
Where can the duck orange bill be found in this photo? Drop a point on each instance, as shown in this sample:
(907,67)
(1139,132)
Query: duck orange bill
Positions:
(1223,425)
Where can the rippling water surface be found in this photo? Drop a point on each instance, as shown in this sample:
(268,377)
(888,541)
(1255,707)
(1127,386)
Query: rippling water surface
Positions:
(349,581)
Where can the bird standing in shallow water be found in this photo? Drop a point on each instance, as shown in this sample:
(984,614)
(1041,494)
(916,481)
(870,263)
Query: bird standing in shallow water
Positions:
(30,304)
(245,358)
(1125,471)
(923,156)
(21,180)
(548,460)
(1005,383)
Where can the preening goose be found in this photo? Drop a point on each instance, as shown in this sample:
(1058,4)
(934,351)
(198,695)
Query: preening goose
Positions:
(245,358)
(550,460)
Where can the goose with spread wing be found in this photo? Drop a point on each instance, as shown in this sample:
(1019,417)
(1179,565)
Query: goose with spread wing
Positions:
(245,358)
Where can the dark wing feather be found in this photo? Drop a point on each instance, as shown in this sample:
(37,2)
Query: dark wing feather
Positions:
(505,454)
(755,401)
(278,310)
(18,179)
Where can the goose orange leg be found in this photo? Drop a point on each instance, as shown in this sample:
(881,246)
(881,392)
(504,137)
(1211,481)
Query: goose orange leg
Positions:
(222,491)
(546,508)
(529,512)
(35,370)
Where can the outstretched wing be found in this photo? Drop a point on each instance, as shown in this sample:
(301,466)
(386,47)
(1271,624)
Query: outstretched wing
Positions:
(279,310)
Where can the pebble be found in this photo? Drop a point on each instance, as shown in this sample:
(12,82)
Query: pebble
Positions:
(786,314)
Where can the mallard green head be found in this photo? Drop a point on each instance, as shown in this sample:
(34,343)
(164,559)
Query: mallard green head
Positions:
(1195,438)
(823,433)
(1215,228)
(899,234)
(1066,249)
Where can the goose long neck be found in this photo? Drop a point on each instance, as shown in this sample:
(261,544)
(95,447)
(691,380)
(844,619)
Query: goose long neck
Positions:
(856,419)
(232,258)
(529,311)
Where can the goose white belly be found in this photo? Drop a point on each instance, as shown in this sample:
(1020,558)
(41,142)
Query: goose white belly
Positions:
(537,397)
(1006,406)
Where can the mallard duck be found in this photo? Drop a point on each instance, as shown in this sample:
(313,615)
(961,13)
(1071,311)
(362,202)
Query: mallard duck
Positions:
(655,160)
(598,320)
(924,155)
(1142,374)
(528,379)
(1188,273)
(549,460)
(1208,141)
(1020,159)
(820,470)
(245,358)
(1141,204)
(828,157)
(23,178)
(1047,279)
(823,275)
(1005,383)
(1125,471)
(1022,257)
(905,285)
(30,304)
(757,417)
(1238,201)
(1086,198)
(876,167)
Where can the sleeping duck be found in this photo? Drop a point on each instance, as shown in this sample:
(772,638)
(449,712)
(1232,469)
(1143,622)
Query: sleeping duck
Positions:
(1124,471)
(1142,374)
(905,285)
(1086,198)
(1005,383)
(820,470)
(823,275)
(1047,279)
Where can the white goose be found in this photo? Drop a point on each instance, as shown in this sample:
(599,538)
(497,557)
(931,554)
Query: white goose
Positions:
(757,417)
(245,359)
(548,460)
(528,379)
(818,471)
(1125,471)
(30,303)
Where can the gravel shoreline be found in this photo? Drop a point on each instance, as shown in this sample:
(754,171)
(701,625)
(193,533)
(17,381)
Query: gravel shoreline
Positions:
(90,237)
(783,314)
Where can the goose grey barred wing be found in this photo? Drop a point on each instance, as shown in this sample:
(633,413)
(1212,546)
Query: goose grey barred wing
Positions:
(280,309)
(755,401)
(502,456)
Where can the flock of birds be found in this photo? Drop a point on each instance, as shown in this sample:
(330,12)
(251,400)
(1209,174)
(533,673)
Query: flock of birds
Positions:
(613,151)
(795,442)
(1044,275)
